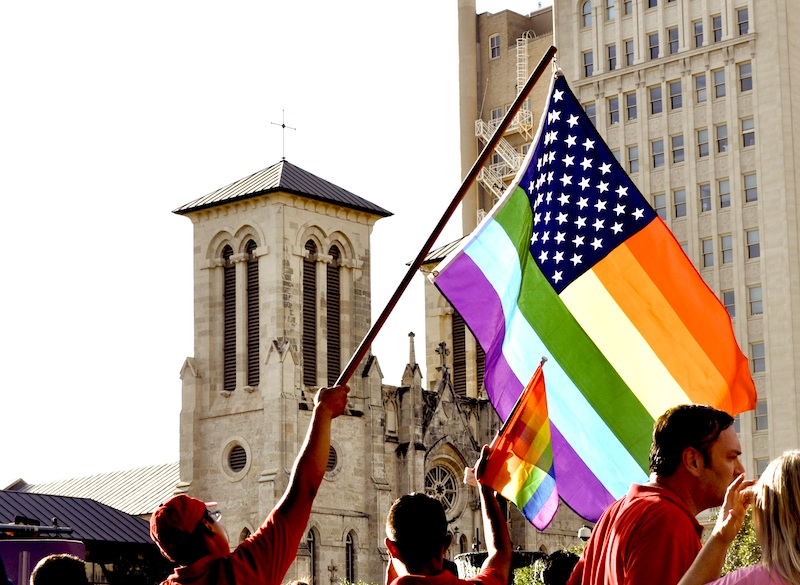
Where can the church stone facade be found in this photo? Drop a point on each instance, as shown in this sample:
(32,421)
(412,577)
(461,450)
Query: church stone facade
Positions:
(282,300)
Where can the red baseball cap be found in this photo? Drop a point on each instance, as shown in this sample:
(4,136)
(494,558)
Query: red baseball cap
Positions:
(180,512)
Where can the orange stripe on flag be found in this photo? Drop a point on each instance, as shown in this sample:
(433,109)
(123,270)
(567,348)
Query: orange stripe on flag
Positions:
(704,316)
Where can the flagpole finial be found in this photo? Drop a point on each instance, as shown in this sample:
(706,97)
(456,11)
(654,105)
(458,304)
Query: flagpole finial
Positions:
(544,359)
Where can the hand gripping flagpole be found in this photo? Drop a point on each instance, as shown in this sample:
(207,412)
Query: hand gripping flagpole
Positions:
(363,347)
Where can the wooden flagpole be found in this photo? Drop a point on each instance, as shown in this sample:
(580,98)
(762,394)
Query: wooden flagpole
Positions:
(363,347)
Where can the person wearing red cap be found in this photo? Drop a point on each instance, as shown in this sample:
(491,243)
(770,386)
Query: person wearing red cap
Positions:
(187,533)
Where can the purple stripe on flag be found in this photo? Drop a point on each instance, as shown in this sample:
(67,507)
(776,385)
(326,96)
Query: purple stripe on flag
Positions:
(577,485)
(485,316)
(583,492)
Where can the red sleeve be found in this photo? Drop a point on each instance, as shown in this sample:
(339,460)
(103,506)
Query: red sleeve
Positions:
(489,576)
(269,552)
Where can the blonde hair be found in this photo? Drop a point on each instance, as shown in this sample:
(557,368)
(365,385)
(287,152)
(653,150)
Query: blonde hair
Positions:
(776,515)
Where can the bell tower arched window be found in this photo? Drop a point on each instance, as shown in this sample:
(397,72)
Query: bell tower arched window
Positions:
(334,310)
(309,351)
(350,558)
(229,321)
(253,370)
(311,542)
(459,355)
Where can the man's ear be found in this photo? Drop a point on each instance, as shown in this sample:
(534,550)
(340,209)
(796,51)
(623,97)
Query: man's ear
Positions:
(392,548)
(448,540)
(693,460)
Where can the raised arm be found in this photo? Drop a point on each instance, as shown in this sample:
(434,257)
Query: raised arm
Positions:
(309,467)
(495,529)
(708,564)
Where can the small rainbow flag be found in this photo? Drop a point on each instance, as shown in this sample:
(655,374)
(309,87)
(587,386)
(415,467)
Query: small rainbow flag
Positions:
(573,264)
(520,466)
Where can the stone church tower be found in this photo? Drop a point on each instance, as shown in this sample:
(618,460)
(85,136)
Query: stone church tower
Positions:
(282,299)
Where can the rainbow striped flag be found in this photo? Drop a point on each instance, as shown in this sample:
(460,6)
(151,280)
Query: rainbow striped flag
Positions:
(573,264)
(520,465)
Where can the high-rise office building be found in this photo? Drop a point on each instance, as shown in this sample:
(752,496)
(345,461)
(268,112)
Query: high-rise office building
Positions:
(694,97)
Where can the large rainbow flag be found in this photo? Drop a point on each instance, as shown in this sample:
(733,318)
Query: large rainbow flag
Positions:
(520,465)
(573,264)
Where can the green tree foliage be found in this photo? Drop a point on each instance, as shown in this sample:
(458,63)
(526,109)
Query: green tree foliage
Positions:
(745,550)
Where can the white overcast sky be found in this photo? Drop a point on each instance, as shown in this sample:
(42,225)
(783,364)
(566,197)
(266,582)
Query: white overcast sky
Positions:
(113,114)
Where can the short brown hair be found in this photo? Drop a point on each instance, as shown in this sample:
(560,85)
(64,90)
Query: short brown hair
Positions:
(417,525)
(59,569)
(687,425)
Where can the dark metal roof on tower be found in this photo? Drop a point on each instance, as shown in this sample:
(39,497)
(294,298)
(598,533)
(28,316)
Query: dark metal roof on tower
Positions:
(286,178)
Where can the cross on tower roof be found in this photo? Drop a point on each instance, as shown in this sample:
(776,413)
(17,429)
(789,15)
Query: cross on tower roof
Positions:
(283,131)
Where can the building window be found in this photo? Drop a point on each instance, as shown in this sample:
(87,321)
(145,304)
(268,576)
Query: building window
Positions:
(716,28)
(745,76)
(677,148)
(737,423)
(440,484)
(494,47)
(702,142)
(229,321)
(652,3)
(350,558)
(724,188)
(652,45)
(755,301)
(586,13)
(311,543)
(672,40)
(459,331)
(660,205)
(333,302)
(617,154)
(630,106)
(309,338)
(761,465)
(697,25)
(705,196)
(613,110)
(657,151)
(679,202)
(628,6)
(760,417)
(743,21)
(748,132)
(675,95)
(722,138)
(707,251)
(719,83)
(611,10)
(591,112)
(700,93)
(656,106)
(729,300)
(633,159)
(750,188)
(629,54)
(588,63)
(753,244)
(253,364)
(758,360)
(726,249)
(612,57)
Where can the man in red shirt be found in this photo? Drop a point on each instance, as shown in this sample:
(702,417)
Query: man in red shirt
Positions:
(651,535)
(417,540)
(187,532)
